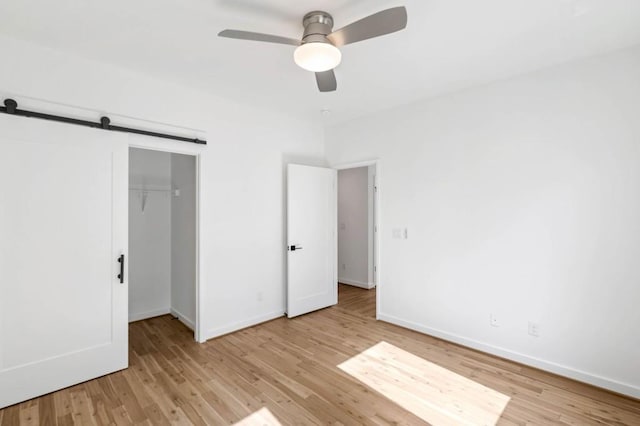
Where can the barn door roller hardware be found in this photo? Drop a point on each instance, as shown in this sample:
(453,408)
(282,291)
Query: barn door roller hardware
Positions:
(11,107)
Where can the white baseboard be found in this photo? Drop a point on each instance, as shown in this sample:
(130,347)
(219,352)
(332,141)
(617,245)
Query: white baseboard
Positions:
(149,314)
(250,322)
(562,370)
(183,319)
(355,283)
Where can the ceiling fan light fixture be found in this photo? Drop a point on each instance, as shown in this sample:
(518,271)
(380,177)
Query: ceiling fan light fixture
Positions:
(317,56)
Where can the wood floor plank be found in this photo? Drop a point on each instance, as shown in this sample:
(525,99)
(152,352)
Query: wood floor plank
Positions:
(64,420)
(46,411)
(121,416)
(62,407)
(29,413)
(129,399)
(155,415)
(83,412)
(288,372)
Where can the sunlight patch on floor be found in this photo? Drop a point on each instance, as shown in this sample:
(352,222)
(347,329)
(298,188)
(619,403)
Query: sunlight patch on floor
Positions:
(262,417)
(433,393)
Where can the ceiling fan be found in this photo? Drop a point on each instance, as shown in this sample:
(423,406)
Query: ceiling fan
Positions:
(318,50)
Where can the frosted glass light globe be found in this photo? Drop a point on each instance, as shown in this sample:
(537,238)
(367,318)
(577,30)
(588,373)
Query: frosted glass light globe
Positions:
(317,57)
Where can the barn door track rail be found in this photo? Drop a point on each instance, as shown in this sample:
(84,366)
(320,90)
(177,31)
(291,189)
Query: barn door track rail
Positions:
(11,107)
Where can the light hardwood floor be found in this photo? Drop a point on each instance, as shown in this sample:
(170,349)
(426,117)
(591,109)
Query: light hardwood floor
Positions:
(335,366)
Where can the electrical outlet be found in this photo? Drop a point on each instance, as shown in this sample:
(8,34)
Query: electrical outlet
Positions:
(397,233)
(344,267)
(493,320)
(534,329)
(260,296)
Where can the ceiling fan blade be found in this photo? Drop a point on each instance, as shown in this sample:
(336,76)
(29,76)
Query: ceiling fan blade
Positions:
(326,81)
(248,35)
(381,23)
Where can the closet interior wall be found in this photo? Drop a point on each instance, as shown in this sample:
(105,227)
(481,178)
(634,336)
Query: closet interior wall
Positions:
(183,239)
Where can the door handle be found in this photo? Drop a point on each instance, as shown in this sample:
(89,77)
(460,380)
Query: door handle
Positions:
(121,274)
(295,247)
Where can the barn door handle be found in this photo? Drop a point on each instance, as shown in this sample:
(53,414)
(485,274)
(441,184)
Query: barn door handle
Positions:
(121,274)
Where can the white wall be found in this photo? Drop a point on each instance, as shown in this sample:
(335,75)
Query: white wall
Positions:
(149,235)
(353,227)
(183,239)
(521,199)
(242,205)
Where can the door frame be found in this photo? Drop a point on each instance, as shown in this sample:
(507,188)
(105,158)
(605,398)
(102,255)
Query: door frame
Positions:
(197,151)
(376,221)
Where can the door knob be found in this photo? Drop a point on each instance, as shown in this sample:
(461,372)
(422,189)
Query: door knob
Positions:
(295,247)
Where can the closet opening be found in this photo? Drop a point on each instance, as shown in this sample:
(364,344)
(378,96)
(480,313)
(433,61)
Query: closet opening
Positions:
(162,236)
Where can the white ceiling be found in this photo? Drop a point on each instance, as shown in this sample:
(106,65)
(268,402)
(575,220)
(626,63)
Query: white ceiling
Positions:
(448,44)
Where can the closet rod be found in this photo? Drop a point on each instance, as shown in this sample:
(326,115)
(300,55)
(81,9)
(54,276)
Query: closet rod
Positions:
(11,107)
(152,190)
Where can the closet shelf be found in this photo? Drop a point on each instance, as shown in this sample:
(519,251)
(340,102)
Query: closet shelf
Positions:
(144,193)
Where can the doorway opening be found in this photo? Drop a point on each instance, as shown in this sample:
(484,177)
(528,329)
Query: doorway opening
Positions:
(357,234)
(162,236)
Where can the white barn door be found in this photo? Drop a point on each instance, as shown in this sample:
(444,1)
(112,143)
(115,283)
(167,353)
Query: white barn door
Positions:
(63,226)
(312,244)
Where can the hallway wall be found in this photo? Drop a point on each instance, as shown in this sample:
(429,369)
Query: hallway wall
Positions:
(353,227)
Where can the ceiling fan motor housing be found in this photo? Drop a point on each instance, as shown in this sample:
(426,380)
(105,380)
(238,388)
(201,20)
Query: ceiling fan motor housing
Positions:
(317,25)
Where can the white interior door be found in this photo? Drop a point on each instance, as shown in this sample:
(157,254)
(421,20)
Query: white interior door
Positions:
(63,225)
(312,245)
